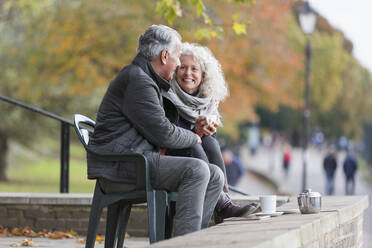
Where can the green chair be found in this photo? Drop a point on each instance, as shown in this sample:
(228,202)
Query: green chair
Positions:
(160,209)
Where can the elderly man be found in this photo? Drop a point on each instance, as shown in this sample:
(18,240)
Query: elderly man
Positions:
(131,118)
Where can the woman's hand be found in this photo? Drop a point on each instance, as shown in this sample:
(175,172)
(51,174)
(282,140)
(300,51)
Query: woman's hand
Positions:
(202,128)
(199,139)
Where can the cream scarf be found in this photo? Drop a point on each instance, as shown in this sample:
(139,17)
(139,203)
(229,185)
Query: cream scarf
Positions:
(191,107)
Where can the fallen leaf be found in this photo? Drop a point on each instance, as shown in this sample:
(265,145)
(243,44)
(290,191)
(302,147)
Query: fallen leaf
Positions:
(16,231)
(99,238)
(5,232)
(81,241)
(72,233)
(25,242)
(28,232)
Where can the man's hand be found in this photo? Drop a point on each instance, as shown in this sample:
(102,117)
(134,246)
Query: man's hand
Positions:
(203,128)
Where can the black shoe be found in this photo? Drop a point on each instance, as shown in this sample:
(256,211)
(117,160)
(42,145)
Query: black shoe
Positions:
(233,210)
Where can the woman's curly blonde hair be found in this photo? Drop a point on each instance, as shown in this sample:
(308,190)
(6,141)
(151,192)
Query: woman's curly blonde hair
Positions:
(213,84)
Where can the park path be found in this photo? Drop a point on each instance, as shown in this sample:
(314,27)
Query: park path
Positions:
(268,162)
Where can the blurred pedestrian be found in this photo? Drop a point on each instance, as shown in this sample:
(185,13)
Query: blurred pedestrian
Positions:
(350,168)
(287,155)
(330,165)
(342,143)
(234,167)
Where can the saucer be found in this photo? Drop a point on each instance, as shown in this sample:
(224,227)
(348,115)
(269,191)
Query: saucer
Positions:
(269,214)
(291,211)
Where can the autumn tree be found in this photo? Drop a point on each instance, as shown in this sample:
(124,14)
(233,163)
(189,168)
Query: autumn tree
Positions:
(60,55)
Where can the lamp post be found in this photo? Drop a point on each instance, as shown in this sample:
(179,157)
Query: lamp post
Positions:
(307,18)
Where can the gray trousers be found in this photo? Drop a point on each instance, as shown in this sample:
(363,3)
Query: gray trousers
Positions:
(198,184)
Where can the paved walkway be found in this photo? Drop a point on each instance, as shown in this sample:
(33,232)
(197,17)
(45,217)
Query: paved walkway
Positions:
(253,185)
(6,242)
(269,162)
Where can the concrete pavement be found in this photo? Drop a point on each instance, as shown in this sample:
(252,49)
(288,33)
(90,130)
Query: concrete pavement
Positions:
(6,242)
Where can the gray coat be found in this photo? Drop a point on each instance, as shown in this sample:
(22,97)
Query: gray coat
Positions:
(131,118)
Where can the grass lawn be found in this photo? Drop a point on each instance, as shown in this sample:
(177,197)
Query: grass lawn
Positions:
(38,169)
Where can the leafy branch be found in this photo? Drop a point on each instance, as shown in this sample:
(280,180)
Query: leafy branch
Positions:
(171,10)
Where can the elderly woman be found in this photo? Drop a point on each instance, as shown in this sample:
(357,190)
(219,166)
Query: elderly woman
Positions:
(196,91)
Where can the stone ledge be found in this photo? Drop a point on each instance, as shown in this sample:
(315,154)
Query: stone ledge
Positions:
(45,199)
(86,199)
(338,225)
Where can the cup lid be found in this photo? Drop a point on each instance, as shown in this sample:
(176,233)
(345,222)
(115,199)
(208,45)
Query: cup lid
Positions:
(309,193)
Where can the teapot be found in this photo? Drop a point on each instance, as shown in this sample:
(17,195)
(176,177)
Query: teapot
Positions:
(309,202)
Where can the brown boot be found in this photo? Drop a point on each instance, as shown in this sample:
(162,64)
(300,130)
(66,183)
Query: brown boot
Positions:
(233,210)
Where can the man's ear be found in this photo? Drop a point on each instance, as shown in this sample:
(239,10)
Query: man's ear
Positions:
(164,57)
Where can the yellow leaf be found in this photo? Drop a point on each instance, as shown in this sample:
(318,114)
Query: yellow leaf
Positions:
(239,28)
(99,238)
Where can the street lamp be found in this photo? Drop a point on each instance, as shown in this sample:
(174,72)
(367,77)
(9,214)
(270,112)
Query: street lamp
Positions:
(307,18)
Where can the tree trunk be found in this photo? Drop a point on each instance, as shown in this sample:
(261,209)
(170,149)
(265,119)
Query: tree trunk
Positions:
(3,155)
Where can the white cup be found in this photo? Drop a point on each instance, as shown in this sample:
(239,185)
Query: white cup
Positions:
(211,118)
(268,204)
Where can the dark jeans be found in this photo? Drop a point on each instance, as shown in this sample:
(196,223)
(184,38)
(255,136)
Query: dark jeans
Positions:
(330,184)
(349,185)
(210,152)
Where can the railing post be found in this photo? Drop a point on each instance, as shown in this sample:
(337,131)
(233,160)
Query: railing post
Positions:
(65,154)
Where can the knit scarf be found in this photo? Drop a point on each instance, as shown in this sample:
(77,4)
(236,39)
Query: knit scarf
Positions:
(191,107)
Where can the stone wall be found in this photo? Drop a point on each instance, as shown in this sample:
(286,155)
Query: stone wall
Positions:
(338,225)
(55,217)
(45,211)
(346,235)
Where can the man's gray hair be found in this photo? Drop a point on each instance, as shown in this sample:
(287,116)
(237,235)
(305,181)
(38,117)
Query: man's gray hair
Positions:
(156,39)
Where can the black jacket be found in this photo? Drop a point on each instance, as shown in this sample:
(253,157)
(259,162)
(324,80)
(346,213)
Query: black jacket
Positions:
(330,164)
(131,118)
(350,166)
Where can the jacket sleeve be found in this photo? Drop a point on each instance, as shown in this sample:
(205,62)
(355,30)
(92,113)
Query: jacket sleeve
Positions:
(142,106)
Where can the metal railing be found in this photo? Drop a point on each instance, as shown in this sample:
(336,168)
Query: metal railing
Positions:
(65,140)
(65,144)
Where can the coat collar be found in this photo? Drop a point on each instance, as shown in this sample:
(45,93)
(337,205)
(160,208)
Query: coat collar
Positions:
(146,66)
